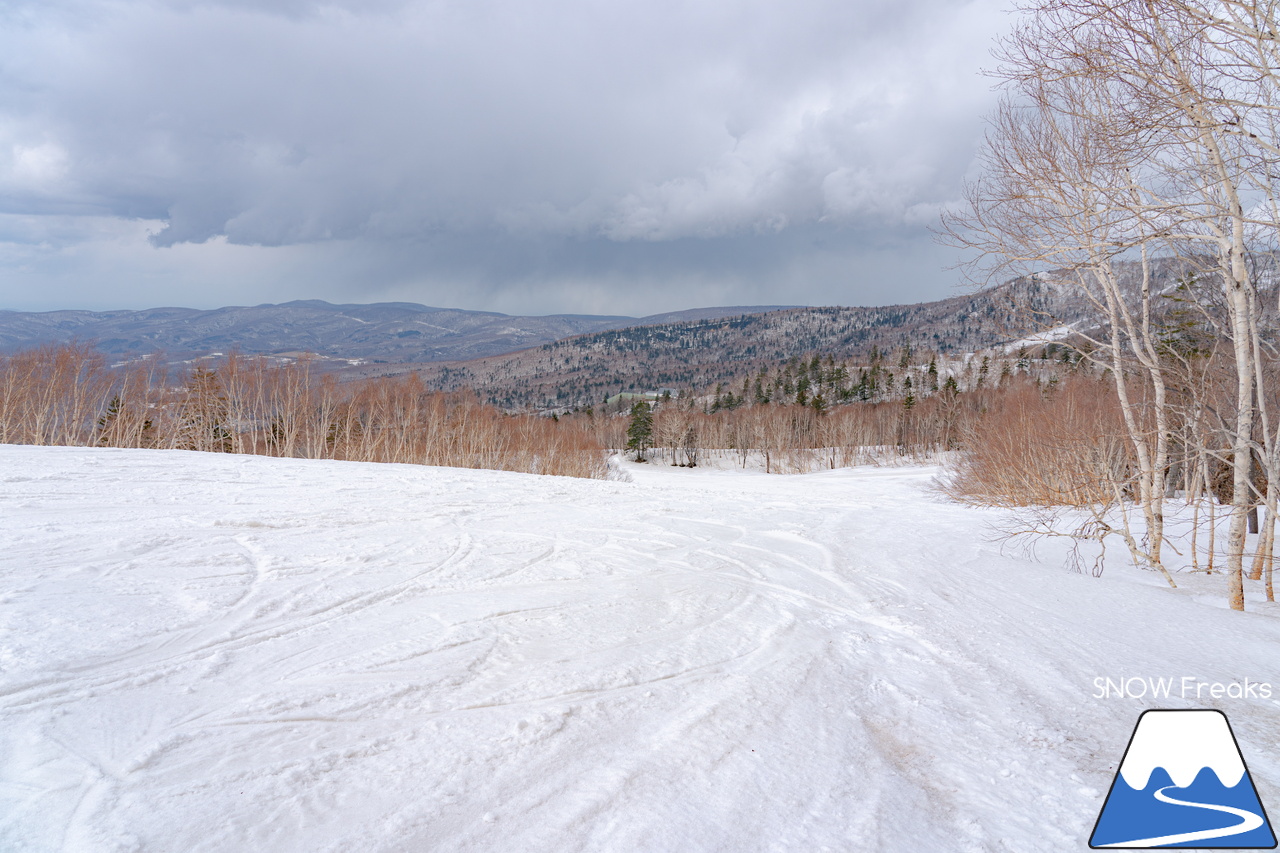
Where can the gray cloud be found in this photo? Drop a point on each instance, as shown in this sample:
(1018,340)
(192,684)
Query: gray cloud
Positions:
(485,153)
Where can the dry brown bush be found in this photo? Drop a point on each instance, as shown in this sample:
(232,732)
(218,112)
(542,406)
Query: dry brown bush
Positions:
(68,395)
(1031,448)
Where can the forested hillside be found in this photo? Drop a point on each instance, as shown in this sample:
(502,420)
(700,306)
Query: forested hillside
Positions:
(586,369)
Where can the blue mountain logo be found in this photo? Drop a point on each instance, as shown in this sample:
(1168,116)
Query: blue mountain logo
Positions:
(1183,783)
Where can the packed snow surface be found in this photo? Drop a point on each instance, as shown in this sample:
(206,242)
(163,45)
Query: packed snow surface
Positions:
(226,653)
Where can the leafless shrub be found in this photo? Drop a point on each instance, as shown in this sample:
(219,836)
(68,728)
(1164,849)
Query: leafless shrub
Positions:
(1031,449)
(1086,534)
(68,395)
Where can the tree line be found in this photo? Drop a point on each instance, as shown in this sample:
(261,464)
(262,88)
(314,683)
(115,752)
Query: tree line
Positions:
(70,395)
(1134,132)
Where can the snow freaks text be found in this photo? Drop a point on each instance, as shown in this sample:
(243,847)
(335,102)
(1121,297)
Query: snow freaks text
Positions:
(1184,687)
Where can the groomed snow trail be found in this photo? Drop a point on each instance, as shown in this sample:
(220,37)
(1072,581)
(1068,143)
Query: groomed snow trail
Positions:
(207,652)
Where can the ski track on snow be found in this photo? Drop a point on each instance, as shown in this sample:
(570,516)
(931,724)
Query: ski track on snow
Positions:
(217,653)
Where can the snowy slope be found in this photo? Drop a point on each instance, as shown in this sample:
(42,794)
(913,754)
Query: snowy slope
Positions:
(222,653)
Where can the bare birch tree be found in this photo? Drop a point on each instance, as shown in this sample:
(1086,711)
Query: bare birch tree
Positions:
(1135,127)
(1058,190)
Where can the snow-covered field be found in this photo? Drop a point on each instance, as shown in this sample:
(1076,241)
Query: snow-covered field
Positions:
(225,653)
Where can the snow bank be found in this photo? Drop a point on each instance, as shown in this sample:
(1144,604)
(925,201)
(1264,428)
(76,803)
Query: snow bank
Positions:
(222,653)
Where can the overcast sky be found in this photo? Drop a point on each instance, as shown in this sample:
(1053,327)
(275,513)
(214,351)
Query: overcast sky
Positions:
(580,156)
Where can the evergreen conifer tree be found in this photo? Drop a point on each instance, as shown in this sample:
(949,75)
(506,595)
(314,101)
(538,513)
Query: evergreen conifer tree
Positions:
(640,430)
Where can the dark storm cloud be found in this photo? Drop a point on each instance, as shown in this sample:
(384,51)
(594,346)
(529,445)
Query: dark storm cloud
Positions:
(490,152)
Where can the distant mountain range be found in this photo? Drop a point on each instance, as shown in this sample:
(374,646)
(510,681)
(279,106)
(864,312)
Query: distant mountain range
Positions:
(381,332)
(699,354)
(567,360)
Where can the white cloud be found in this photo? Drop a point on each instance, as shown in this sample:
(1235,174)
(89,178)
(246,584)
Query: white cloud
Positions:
(38,165)
(484,135)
